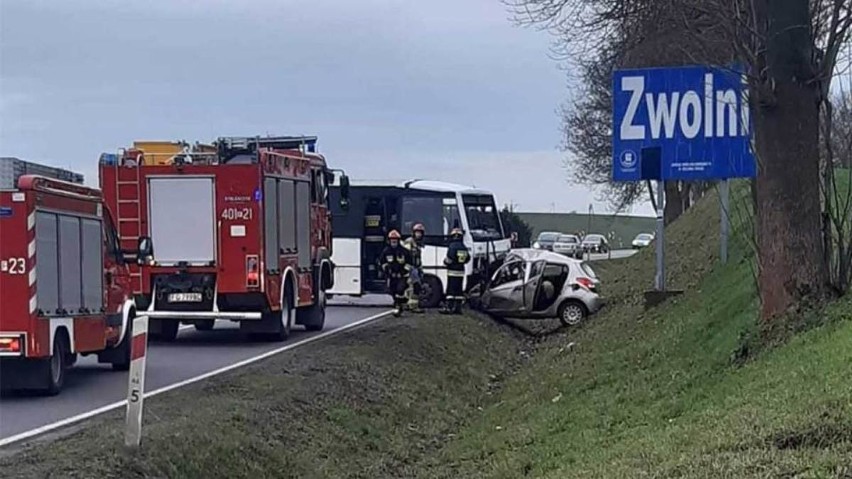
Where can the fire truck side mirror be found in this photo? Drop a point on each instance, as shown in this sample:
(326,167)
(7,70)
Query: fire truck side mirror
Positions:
(145,250)
(344,192)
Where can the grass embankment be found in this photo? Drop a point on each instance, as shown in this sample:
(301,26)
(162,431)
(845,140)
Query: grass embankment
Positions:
(363,404)
(658,394)
(638,394)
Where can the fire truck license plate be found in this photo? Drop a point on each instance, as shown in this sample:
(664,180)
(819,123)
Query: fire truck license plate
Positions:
(185,298)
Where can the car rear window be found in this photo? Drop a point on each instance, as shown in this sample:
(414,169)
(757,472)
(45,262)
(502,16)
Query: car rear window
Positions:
(568,239)
(588,270)
(548,236)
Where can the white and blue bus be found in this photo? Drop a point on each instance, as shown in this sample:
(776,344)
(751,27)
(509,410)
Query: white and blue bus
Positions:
(377,207)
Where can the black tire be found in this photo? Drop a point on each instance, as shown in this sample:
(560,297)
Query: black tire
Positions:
(572,312)
(432,292)
(314,315)
(204,324)
(55,367)
(124,363)
(169,330)
(283,320)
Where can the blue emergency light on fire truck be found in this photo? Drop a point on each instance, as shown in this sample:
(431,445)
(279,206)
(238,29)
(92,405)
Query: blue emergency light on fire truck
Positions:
(376,207)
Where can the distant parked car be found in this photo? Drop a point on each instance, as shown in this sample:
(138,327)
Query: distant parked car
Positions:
(546,239)
(540,284)
(569,245)
(595,243)
(642,240)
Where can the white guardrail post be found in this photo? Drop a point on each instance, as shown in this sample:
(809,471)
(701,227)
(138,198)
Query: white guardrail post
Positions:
(136,382)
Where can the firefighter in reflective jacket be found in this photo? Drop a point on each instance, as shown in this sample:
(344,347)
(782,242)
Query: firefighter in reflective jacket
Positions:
(457,256)
(414,245)
(396,264)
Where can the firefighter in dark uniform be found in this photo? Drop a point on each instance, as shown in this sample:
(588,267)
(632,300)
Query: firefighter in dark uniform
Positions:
(414,245)
(396,264)
(457,257)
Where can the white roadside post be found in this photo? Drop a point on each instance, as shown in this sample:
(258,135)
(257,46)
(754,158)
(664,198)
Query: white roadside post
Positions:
(136,382)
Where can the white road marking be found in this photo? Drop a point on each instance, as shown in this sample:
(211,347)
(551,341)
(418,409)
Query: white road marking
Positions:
(118,404)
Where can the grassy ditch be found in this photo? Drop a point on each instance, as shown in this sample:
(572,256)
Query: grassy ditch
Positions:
(368,404)
(660,393)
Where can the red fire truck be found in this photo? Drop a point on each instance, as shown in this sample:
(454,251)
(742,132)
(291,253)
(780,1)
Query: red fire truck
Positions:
(240,231)
(64,285)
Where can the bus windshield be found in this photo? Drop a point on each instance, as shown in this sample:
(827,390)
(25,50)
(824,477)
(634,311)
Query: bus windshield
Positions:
(482,217)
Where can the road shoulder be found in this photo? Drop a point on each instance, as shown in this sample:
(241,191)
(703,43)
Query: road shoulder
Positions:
(371,401)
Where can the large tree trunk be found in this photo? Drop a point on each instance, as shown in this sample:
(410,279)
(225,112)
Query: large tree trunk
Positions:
(674,203)
(788,184)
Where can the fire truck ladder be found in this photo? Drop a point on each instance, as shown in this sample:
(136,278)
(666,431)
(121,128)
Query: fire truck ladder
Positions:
(128,192)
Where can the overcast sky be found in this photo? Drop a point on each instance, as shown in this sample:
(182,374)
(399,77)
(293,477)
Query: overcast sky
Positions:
(443,89)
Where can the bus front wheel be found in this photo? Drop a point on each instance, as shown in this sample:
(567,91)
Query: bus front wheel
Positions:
(432,292)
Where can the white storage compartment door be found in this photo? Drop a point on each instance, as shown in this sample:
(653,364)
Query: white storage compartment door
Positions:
(181,219)
(346,257)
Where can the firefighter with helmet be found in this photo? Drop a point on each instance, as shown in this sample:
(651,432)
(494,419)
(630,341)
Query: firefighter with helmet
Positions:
(414,245)
(396,265)
(457,257)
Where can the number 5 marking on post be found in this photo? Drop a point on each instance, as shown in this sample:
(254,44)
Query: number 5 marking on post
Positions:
(136,382)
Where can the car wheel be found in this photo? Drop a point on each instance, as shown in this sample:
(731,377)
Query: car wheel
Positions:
(572,313)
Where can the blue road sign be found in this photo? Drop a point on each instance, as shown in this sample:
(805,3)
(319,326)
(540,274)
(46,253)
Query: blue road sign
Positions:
(697,116)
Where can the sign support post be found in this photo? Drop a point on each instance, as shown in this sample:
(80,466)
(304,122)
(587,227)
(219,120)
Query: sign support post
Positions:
(724,193)
(136,382)
(660,237)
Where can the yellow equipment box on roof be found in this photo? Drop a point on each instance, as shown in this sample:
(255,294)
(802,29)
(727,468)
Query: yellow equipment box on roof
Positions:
(162,152)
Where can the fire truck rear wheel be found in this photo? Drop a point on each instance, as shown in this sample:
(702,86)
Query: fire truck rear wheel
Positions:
(283,318)
(204,324)
(56,365)
(124,349)
(169,330)
(314,315)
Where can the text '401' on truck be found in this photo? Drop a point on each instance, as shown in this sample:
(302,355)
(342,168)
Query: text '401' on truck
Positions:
(64,285)
(240,231)
(375,208)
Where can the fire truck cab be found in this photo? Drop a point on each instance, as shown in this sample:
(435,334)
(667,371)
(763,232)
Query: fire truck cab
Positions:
(240,230)
(64,284)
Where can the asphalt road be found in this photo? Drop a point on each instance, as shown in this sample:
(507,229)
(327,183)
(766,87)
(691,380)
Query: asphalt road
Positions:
(614,254)
(90,386)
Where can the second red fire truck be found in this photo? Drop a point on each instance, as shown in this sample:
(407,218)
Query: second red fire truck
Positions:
(240,230)
(64,284)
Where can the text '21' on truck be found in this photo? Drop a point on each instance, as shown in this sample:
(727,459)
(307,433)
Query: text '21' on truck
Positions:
(64,285)
(240,231)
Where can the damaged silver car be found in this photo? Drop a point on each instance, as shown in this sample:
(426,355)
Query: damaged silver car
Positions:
(534,283)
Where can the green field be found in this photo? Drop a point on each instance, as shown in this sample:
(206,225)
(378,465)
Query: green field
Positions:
(623,228)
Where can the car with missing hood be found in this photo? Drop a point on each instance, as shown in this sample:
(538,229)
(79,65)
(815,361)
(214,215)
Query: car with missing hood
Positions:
(538,284)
